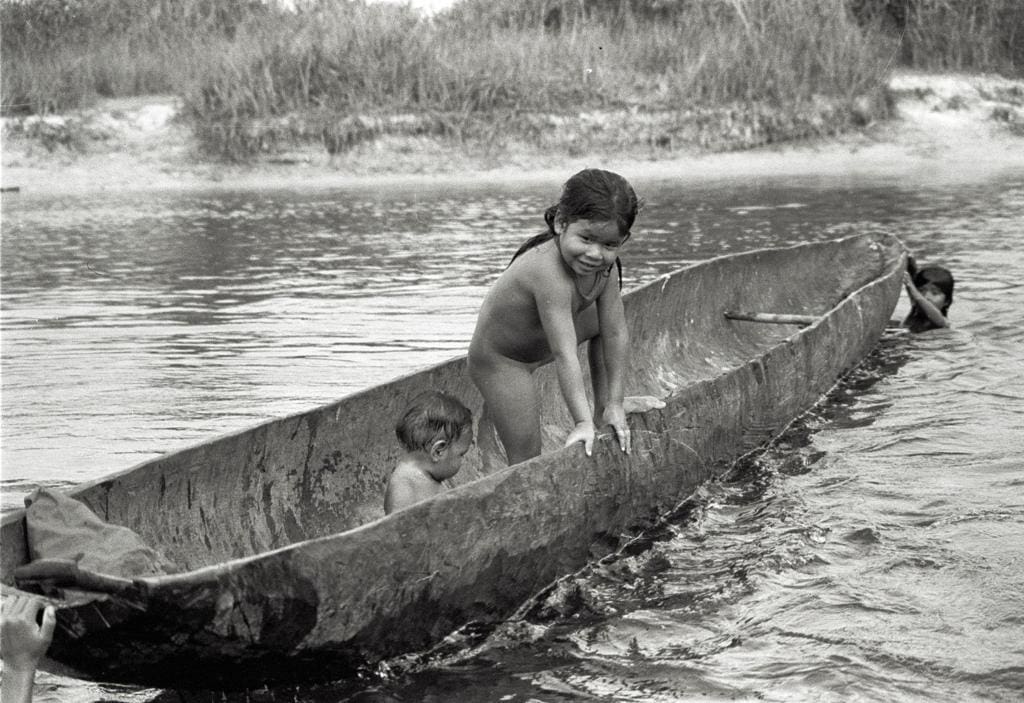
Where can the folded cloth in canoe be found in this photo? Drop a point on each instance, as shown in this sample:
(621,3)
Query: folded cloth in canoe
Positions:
(60,528)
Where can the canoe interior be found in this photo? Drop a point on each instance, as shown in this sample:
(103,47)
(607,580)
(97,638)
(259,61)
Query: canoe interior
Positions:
(324,471)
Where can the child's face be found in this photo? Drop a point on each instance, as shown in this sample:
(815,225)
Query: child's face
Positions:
(449,459)
(933,294)
(589,246)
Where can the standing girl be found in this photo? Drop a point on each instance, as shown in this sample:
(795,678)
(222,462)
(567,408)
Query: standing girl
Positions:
(555,294)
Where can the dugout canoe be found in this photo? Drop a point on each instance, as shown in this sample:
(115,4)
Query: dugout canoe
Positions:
(293,573)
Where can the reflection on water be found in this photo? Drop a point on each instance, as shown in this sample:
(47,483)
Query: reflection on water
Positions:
(873,554)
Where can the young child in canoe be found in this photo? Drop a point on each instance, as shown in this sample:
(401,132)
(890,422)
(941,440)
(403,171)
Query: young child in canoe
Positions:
(931,293)
(561,289)
(436,431)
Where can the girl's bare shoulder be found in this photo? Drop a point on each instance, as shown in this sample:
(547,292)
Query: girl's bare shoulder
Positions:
(539,266)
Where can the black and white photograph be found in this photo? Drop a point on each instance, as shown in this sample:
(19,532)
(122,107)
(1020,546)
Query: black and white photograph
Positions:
(511,351)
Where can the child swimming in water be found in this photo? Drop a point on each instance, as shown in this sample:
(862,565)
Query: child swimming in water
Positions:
(561,289)
(436,431)
(931,293)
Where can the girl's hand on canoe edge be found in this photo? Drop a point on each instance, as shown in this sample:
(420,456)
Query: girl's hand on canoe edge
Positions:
(582,432)
(615,416)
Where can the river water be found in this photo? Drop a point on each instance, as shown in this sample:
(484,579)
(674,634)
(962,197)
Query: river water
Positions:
(876,552)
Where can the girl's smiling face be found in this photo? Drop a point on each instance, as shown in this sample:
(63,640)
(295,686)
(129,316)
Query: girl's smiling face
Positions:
(589,246)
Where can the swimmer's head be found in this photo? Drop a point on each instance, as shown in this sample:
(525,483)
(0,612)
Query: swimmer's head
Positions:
(936,285)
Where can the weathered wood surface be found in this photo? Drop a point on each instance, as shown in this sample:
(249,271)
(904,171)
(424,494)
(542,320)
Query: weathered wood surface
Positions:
(293,574)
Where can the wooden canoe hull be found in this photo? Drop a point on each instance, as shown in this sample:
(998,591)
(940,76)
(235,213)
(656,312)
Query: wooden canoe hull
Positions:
(323,587)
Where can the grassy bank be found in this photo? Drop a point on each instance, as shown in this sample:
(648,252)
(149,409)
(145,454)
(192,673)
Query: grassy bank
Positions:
(255,78)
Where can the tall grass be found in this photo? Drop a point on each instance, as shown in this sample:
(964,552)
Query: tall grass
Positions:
(252,73)
(345,59)
(965,35)
(63,54)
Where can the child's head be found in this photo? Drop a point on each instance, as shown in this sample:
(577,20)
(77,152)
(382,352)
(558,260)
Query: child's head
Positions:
(440,426)
(598,196)
(936,285)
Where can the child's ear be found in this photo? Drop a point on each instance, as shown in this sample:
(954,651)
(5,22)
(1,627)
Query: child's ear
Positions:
(437,449)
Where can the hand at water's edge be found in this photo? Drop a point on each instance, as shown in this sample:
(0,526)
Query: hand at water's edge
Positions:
(23,642)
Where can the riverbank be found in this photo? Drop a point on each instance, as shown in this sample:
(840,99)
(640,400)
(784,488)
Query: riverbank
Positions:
(944,123)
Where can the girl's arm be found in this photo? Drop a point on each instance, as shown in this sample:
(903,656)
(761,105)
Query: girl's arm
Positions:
(615,347)
(933,313)
(554,304)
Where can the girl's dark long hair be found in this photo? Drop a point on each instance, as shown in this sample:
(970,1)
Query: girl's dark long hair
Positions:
(591,194)
(549,217)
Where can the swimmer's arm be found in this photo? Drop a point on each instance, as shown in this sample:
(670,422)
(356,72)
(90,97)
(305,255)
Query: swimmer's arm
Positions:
(554,303)
(935,315)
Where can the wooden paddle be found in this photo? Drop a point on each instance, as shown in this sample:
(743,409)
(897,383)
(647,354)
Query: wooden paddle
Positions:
(774,318)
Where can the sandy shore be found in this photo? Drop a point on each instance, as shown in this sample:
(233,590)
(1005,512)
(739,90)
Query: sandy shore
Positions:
(946,126)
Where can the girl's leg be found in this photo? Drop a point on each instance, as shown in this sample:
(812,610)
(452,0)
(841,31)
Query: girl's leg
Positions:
(511,404)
